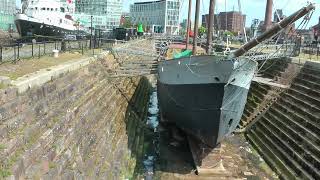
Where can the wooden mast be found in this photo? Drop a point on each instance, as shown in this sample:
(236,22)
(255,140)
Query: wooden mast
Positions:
(273,30)
(210,25)
(196,24)
(188,24)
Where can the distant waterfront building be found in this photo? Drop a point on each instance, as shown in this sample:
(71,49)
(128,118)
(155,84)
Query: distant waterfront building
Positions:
(7,11)
(160,16)
(307,35)
(105,14)
(316,31)
(205,21)
(232,21)
(278,15)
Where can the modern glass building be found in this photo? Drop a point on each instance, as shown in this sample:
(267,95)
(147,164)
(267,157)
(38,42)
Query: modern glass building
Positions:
(106,13)
(7,11)
(160,16)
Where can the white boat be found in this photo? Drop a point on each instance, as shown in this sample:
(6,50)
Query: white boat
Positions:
(47,18)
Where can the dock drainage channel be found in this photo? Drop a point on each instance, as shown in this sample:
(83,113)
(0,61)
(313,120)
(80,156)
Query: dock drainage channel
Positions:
(152,122)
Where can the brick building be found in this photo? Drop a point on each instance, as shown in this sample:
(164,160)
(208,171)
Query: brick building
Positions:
(232,21)
(316,31)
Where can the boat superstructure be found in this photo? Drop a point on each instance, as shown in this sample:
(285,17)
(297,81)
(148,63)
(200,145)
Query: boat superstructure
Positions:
(46,18)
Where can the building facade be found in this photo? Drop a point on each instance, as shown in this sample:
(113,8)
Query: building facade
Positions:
(157,16)
(278,15)
(232,21)
(105,14)
(7,11)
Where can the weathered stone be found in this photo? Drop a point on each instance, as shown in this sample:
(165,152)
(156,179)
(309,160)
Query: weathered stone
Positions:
(5,80)
(73,127)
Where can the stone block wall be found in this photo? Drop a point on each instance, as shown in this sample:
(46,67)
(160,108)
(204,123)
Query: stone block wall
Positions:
(83,125)
(287,135)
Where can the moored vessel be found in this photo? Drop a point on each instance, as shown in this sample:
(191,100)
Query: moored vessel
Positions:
(205,95)
(47,18)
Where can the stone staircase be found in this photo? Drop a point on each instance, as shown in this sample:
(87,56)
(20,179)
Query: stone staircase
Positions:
(274,68)
(261,96)
(257,94)
(287,135)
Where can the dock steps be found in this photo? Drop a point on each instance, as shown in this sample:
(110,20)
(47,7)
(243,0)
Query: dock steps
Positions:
(287,134)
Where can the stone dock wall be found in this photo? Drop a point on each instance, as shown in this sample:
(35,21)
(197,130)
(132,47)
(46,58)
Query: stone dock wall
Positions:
(83,125)
(287,134)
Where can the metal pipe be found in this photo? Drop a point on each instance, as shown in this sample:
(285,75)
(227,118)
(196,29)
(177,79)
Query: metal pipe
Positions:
(188,24)
(196,24)
(273,30)
(210,25)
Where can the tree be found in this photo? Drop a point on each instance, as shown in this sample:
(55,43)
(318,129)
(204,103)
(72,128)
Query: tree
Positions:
(228,33)
(202,31)
(127,23)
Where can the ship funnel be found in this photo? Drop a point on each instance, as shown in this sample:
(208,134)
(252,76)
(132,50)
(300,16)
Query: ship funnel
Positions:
(273,30)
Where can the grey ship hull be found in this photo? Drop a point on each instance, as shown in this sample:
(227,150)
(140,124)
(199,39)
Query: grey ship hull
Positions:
(204,95)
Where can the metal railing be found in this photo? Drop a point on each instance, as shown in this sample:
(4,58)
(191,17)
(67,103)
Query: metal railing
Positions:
(15,51)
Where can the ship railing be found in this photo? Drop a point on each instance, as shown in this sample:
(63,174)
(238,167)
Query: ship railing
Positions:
(265,51)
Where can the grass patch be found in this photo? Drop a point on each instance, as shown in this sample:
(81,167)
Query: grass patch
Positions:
(27,66)
(3,86)
(2,147)
(4,173)
(309,57)
(52,165)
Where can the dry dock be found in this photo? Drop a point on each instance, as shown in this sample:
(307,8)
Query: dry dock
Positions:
(89,120)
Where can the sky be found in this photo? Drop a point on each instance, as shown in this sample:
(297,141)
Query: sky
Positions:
(252,8)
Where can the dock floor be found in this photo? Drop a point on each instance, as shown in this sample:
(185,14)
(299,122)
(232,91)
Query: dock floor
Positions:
(236,159)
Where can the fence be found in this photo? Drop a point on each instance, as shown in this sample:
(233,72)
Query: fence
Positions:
(17,51)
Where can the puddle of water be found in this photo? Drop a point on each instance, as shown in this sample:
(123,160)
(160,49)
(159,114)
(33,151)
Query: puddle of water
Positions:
(152,122)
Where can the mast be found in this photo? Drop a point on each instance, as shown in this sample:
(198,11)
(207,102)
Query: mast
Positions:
(210,25)
(196,23)
(273,30)
(188,23)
